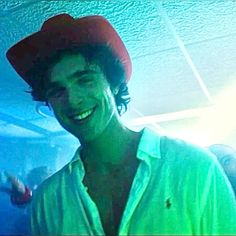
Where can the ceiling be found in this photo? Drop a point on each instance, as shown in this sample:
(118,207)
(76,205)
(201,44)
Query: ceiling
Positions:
(183,54)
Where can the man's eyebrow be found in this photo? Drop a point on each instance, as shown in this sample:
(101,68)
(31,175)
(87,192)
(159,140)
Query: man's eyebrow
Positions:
(80,73)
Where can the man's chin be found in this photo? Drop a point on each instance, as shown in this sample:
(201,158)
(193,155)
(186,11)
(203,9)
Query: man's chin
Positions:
(84,136)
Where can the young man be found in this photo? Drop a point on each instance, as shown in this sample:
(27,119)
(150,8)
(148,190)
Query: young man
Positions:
(120,182)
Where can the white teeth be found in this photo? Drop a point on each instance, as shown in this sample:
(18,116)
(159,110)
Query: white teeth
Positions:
(83,115)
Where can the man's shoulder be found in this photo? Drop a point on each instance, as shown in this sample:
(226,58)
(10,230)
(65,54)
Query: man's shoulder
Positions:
(172,144)
(49,187)
(186,154)
(52,183)
(171,149)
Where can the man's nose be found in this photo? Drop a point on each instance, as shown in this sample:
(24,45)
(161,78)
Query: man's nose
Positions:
(74,96)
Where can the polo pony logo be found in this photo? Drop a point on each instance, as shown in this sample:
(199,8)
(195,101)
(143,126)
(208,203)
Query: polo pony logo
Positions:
(168,203)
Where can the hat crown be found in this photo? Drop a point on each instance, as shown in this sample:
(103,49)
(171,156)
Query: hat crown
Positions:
(58,20)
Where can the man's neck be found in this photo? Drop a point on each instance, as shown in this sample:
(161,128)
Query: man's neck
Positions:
(111,148)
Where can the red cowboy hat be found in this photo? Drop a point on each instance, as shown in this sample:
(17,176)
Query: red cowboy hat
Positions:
(62,32)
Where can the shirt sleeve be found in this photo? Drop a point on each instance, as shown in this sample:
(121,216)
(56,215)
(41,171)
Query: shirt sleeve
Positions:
(219,211)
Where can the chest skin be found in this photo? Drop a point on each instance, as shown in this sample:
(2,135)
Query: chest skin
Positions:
(110,193)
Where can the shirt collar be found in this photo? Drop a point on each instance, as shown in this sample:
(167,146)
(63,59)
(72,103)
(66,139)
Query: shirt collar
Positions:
(77,158)
(149,145)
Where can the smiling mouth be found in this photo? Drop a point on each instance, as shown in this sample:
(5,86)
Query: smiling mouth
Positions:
(84,115)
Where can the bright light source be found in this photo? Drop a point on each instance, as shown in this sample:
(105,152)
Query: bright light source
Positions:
(220,120)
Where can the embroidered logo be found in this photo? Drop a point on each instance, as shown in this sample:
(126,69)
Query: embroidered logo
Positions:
(168,203)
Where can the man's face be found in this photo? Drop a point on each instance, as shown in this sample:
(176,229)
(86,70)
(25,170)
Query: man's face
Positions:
(80,96)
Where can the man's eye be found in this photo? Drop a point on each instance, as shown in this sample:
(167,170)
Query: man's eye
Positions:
(55,93)
(85,80)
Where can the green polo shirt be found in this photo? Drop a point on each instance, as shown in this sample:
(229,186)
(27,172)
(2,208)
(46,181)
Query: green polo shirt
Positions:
(178,189)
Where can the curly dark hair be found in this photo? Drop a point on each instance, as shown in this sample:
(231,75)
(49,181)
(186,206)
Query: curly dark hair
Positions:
(99,54)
